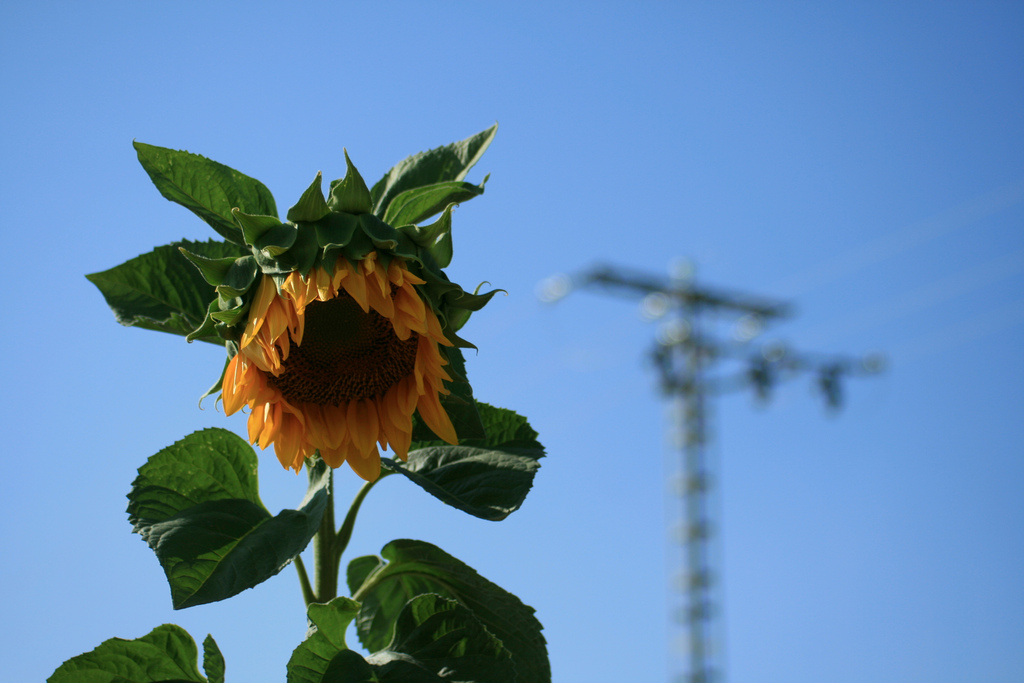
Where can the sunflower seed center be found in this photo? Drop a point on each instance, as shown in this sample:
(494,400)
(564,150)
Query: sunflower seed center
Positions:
(345,355)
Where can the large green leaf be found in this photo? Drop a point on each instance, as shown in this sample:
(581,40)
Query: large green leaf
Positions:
(325,658)
(435,640)
(206,188)
(488,478)
(416,568)
(166,654)
(420,203)
(162,290)
(196,503)
(442,635)
(443,164)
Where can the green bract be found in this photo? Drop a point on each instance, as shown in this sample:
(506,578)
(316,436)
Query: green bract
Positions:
(349,223)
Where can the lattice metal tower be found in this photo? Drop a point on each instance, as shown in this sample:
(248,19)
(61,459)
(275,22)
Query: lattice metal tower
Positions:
(688,359)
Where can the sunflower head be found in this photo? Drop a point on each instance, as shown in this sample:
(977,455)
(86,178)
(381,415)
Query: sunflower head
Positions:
(341,324)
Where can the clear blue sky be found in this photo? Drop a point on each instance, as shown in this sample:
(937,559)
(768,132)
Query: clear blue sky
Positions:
(864,161)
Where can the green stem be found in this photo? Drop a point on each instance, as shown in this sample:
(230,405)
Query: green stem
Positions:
(307,590)
(329,545)
(345,533)
(326,566)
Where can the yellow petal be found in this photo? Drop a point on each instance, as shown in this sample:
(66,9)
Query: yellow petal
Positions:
(434,329)
(400,442)
(283,345)
(356,288)
(391,408)
(412,279)
(407,396)
(367,467)
(277,319)
(255,424)
(429,361)
(334,457)
(383,423)
(288,444)
(409,301)
(271,423)
(323,284)
(380,302)
(316,428)
(369,263)
(436,418)
(233,389)
(295,288)
(395,272)
(341,271)
(362,425)
(334,421)
(265,294)
(402,330)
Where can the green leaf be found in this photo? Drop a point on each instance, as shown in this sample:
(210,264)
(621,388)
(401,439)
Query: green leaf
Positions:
(208,330)
(218,385)
(196,503)
(206,188)
(442,635)
(359,569)
(311,206)
(213,660)
(324,643)
(167,653)
(436,640)
(336,229)
(462,304)
(395,667)
(469,301)
(350,195)
(443,164)
(231,311)
(278,239)
(415,568)
(161,290)
(436,237)
(380,233)
(488,478)
(300,255)
(238,278)
(255,226)
(213,269)
(346,667)
(417,204)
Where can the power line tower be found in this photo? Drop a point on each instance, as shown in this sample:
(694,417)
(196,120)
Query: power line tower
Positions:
(689,358)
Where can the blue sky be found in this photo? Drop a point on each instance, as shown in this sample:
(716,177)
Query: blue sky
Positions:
(864,161)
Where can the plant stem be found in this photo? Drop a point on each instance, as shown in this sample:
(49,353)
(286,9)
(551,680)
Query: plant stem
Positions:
(307,590)
(329,545)
(323,551)
(345,533)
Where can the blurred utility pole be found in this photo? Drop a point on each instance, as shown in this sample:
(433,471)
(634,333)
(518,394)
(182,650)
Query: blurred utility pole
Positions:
(688,358)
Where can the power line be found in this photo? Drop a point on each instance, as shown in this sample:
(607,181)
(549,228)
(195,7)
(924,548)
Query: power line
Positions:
(689,356)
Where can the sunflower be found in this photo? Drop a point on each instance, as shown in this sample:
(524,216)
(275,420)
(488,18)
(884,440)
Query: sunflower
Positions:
(336,362)
(340,325)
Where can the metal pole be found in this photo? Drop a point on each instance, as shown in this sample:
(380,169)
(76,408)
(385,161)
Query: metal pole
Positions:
(684,357)
(699,607)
